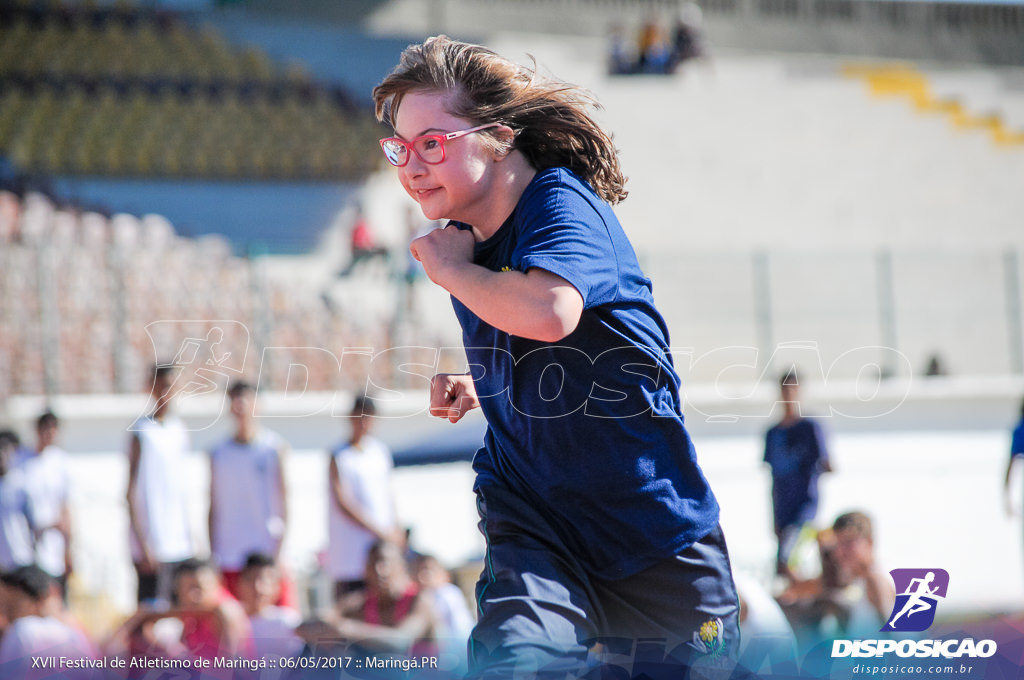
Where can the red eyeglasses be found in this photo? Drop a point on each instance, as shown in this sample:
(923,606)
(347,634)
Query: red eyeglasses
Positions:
(428,148)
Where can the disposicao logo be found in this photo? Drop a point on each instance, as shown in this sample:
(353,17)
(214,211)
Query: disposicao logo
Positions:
(918,592)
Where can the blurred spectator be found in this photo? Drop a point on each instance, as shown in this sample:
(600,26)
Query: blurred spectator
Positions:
(935,367)
(868,594)
(364,246)
(33,631)
(622,58)
(1016,451)
(362,509)
(157,493)
(273,626)
(796,452)
(654,50)
(48,484)
(56,606)
(687,37)
(248,502)
(454,620)
(391,615)
(214,623)
(852,596)
(17,547)
(207,622)
(657,50)
(147,634)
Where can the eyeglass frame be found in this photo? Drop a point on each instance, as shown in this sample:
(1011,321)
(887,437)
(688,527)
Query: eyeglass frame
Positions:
(441,139)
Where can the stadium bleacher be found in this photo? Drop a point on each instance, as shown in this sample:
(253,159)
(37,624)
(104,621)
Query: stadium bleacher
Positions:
(82,295)
(134,92)
(123,90)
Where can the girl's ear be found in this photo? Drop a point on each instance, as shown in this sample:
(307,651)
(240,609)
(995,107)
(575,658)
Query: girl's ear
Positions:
(506,138)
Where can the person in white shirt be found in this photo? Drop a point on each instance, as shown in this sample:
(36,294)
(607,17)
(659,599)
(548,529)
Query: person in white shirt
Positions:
(160,532)
(49,488)
(361,505)
(17,535)
(32,631)
(273,626)
(248,501)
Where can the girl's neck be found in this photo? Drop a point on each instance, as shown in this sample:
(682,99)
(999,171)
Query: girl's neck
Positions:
(514,174)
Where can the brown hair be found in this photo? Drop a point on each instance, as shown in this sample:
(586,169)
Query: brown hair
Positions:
(550,118)
(855,521)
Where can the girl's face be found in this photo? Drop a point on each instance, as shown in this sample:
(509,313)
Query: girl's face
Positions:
(457,188)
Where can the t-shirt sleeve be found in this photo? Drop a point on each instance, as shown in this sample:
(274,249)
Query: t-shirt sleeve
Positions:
(562,232)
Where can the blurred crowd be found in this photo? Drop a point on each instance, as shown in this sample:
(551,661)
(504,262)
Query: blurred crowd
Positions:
(387,601)
(133,91)
(87,298)
(656,48)
(238,606)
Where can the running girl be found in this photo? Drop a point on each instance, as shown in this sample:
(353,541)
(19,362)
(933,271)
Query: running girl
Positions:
(600,526)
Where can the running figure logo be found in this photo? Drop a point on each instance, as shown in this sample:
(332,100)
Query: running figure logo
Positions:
(918,592)
(207,355)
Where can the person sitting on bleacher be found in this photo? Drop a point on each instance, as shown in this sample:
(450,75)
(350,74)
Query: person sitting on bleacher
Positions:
(273,626)
(391,616)
(364,246)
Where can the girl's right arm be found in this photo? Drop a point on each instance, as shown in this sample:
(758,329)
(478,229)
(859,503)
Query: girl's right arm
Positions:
(535,304)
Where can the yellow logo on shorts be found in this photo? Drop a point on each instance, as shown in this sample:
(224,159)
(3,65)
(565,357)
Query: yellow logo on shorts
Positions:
(711,638)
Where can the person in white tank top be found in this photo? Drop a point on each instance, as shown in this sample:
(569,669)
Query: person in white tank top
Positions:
(160,531)
(248,500)
(49,487)
(361,508)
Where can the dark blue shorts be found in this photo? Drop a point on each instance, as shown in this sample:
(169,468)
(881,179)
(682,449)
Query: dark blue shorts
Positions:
(541,614)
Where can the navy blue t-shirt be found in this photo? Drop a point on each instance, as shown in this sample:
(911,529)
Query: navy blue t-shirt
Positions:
(797,456)
(589,428)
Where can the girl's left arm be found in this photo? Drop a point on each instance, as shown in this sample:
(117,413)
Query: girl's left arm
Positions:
(535,304)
